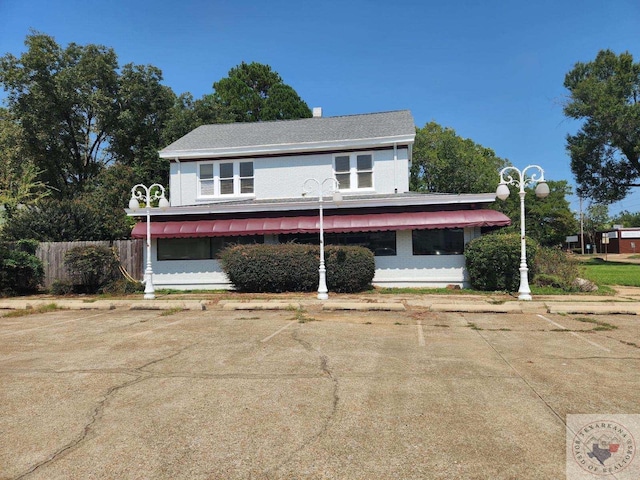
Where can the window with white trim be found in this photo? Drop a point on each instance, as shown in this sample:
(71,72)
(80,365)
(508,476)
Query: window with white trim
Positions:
(225,178)
(354,171)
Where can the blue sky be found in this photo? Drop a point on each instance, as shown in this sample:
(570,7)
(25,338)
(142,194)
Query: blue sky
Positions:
(492,70)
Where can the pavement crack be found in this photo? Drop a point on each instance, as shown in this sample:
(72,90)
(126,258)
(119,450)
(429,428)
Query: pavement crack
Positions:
(521,377)
(165,357)
(96,414)
(326,372)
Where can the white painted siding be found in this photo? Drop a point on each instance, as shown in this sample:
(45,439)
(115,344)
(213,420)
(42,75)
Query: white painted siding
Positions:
(401,270)
(283,177)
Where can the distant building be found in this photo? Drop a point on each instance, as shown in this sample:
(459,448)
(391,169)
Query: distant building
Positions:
(621,240)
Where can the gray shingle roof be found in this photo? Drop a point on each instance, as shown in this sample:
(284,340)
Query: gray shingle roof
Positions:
(347,128)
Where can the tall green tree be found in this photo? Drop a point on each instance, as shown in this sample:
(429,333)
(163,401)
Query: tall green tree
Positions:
(144,109)
(254,92)
(627,219)
(548,220)
(596,219)
(80,112)
(65,100)
(19,184)
(444,162)
(605,152)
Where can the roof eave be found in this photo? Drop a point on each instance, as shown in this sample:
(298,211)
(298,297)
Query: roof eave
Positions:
(258,150)
(280,206)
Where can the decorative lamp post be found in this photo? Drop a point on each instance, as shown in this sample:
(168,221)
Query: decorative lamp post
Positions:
(141,193)
(322,188)
(502,192)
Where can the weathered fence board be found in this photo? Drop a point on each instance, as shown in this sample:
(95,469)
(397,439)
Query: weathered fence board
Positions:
(130,253)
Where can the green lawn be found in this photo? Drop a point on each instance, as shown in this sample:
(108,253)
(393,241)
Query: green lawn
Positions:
(612,273)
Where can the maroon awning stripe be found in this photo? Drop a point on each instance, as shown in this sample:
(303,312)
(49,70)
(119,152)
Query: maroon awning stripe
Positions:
(332,224)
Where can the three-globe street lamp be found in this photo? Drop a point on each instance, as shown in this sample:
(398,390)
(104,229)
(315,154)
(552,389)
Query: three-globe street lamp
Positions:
(141,193)
(502,192)
(322,188)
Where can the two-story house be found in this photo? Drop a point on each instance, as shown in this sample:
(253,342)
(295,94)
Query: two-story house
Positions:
(244,183)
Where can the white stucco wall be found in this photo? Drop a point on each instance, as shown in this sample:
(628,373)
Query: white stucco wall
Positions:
(283,177)
(401,270)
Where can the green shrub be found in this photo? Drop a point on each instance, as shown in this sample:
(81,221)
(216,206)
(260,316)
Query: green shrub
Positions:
(493,261)
(294,268)
(61,287)
(555,264)
(21,272)
(91,267)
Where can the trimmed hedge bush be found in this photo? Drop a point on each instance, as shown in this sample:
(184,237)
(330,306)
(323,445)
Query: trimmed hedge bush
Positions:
(493,261)
(21,272)
(293,267)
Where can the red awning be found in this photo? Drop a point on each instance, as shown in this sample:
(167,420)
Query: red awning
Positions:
(332,224)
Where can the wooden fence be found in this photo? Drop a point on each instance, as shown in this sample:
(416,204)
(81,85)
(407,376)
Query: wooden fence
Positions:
(130,253)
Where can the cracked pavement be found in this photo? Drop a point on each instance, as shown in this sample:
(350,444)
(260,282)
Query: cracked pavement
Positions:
(253,395)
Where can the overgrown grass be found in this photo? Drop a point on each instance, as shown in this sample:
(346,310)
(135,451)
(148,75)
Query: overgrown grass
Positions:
(612,273)
(50,307)
(600,326)
(172,311)
(302,317)
(602,290)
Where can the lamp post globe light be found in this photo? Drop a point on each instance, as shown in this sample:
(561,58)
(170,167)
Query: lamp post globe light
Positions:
(142,193)
(521,181)
(328,186)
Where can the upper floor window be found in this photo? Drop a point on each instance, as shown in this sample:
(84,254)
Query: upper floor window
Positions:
(354,171)
(225,178)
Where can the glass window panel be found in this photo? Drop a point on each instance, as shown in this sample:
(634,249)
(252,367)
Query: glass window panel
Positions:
(183,248)
(305,238)
(342,164)
(206,171)
(364,162)
(438,242)
(226,187)
(226,170)
(380,243)
(218,244)
(365,180)
(383,244)
(344,180)
(206,187)
(246,169)
(246,185)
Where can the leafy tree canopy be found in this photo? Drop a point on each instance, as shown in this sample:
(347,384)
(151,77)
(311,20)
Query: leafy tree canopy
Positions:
(548,220)
(443,162)
(253,92)
(56,221)
(79,112)
(18,174)
(605,152)
(596,219)
(627,219)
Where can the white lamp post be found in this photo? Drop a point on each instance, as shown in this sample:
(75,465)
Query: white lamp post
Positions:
(309,185)
(502,192)
(141,193)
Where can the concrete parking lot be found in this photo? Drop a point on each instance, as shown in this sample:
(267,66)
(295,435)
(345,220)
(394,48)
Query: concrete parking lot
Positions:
(305,394)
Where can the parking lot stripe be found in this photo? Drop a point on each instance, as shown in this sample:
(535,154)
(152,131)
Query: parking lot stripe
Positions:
(164,325)
(266,339)
(574,333)
(50,325)
(421,341)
